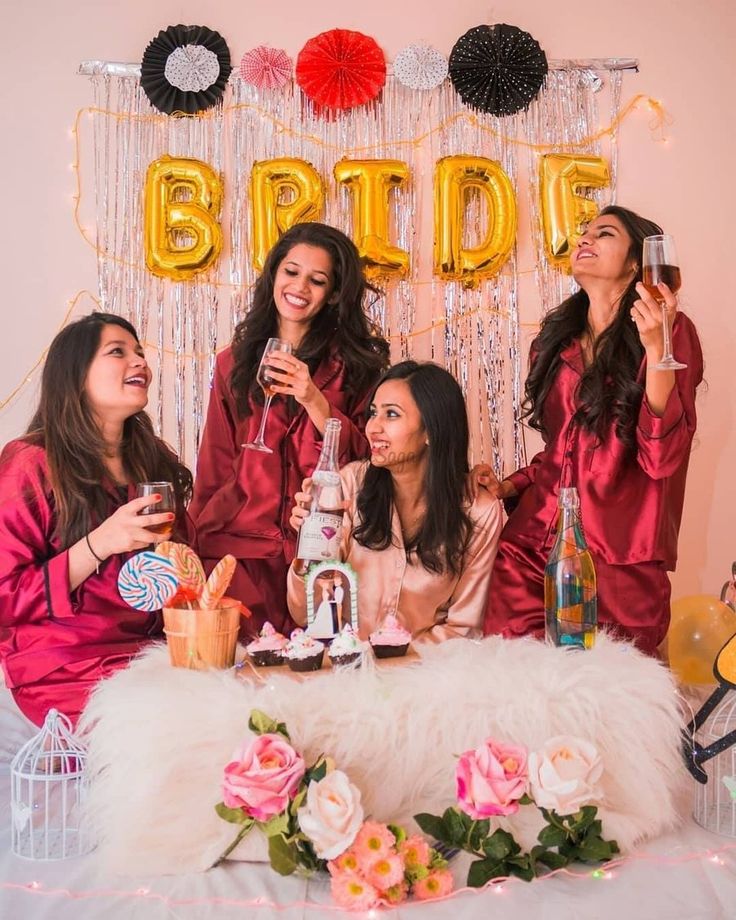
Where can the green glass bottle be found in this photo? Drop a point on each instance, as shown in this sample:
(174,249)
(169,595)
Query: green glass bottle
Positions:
(570,599)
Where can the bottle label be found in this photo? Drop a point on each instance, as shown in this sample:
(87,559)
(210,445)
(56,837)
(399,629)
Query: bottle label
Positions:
(320,536)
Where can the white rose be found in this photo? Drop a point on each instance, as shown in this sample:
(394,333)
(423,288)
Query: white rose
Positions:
(564,774)
(332,815)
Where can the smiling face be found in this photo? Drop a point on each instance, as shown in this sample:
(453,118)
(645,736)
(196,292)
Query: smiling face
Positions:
(118,376)
(603,252)
(395,430)
(303,284)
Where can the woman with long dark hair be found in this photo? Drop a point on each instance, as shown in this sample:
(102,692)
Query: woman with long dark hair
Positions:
(420,549)
(312,292)
(616,428)
(69,518)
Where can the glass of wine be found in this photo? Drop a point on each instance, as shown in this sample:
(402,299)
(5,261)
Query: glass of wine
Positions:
(266,381)
(167,503)
(660,263)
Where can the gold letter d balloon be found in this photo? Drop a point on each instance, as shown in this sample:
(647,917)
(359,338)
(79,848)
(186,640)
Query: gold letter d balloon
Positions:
(700,627)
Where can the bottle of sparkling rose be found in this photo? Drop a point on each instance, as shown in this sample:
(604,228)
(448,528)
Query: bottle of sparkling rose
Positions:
(570,599)
(321,532)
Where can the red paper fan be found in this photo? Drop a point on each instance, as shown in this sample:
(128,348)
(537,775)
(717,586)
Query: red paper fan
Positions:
(266,68)
(340,69)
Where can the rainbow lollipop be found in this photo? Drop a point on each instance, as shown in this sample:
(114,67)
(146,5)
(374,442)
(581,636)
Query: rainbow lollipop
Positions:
(217,583)
(147,581)
(189,572)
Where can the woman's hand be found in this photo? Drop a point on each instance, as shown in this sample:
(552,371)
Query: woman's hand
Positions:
(647,314)
(303,502)
(292,378)
(127,529)
(482,476)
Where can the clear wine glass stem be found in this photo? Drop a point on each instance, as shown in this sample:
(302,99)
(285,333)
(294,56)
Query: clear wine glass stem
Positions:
(667,328)
(262,430)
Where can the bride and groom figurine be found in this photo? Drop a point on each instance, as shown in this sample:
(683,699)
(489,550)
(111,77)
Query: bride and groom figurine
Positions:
(328,617)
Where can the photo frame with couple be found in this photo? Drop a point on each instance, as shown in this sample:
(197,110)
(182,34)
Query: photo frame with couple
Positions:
(332,599)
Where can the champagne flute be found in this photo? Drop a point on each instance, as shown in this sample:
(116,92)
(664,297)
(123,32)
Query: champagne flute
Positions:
(266,382)
(166,503)
(660,263)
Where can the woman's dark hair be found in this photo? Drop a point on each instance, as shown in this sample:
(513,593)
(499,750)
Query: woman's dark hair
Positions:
(65,427)
(608,388)
(342,324)
(443,537)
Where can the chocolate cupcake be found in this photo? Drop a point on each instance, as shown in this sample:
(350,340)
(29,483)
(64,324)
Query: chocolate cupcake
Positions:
(268,649)
(390,640)
(303,653)
(346,649)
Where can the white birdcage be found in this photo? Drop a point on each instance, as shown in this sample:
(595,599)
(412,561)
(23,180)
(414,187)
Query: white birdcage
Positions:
(47,793)
(715,801)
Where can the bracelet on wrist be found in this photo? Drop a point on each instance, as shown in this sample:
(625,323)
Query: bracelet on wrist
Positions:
(97,558)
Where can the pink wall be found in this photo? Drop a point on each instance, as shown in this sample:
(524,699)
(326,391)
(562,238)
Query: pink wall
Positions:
(686,55)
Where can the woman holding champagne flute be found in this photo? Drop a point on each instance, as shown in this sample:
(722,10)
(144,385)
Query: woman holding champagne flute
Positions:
(305,352)
(69,518)
(615,425)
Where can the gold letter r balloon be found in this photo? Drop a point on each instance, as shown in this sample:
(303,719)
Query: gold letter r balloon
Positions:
(181,209)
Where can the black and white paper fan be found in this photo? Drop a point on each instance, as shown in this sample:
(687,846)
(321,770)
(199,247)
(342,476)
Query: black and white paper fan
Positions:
(185,69)
(497,69)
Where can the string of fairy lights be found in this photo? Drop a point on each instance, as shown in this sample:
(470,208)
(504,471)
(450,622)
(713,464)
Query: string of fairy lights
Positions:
(658,123)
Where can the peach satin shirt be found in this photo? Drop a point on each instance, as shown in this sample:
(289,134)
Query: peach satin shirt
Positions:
(432,607)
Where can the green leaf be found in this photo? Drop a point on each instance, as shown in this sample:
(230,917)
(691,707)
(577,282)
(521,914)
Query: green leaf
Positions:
(282,855)
(483,870)
(262,724)
(549,858)
(233,815)
(478,833)
(457,826)
(398,831)
(551,836)
(297,801)
(521,868)
(433,826)
(526,799)
(277,825)
(587,815)
(595,850)
(317,772)
(500,845)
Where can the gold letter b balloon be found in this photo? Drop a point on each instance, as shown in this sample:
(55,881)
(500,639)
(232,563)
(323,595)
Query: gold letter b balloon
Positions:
(181,208)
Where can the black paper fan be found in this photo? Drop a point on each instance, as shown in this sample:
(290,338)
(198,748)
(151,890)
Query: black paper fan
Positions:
(497,69)
(185,69)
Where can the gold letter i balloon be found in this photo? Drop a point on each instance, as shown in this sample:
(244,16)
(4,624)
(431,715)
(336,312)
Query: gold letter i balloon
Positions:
(564,209)
(270,182)
(455,178)
(181,210)
(370,182)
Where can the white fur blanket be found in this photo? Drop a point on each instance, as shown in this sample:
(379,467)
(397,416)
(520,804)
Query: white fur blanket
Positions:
(159,738)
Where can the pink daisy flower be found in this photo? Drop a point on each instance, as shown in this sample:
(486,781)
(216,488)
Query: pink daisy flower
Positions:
(415,851)
(396,893)
(436,885)
(346,862)
(352,892)
(373,840)
(385,872)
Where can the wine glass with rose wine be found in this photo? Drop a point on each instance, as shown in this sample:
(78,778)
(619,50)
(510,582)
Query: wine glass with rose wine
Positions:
(166,502)
(660,263)
(266,382)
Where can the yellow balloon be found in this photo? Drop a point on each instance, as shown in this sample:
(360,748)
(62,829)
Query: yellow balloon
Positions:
(371,182)
(182,199)
(455,177)
(564,209)
(700,627)
(284,192)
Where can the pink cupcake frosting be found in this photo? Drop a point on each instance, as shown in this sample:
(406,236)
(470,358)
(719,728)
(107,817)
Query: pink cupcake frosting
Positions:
(390,632)
(300,645)
(268,641)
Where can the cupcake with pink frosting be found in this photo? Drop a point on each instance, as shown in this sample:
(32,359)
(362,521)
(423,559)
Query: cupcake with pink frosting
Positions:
(303,653)
(390,640)
(346,648)
(268,648)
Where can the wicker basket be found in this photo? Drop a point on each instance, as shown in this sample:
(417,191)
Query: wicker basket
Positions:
(200,639)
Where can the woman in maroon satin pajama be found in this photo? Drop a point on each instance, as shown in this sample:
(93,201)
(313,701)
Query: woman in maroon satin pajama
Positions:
(614,427)
(69,519)
(311,292)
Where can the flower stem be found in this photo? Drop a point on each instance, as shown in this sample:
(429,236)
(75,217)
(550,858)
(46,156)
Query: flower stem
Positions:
(241,833)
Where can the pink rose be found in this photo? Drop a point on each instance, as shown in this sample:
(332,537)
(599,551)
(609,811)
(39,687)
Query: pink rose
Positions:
(491,779)
(564,774)
(263,777)
(332,814)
